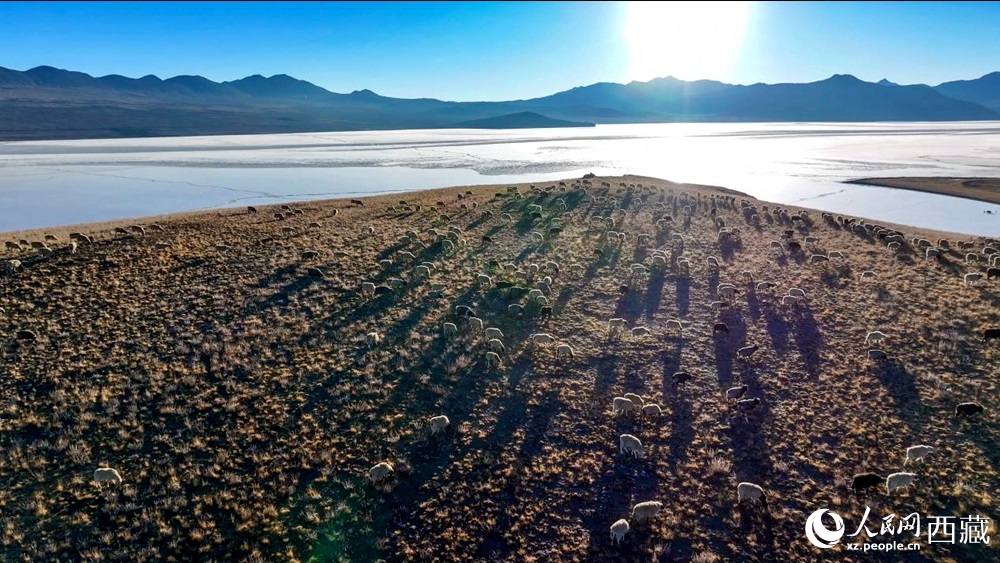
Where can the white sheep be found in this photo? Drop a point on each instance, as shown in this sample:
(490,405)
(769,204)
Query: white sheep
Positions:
(875,337)
(651,409)
(379,471)
(917,453)
(107,475)
(564,350)
(646,510)
(541,338)
(640,331)
(450,328)
(492,359)
(496,345)
(675,324)
(621,404)
(628,443)
(868,274)
(438,423)
(618,530)
(969,278)
(616,324)
(750,491)
(797,292)
(636,399)
(789,300)
(373,338)
(734,393)
(493,332)
(368,288)
(475,323)
(484,279)
(898,481)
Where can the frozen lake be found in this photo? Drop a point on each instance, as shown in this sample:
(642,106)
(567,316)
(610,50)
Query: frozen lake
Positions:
(48,183)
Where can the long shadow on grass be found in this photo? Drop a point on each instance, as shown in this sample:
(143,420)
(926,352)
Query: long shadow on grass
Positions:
(808,340)
(654,292)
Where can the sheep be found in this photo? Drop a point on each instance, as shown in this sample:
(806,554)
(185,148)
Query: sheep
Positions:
(309,254)
(836,254)
(107,475)
(618,530)
(496,345)
(864,481)
(541,338)
(747,351)
(752,492)
(450,328)
(622,404)
(898,481)
(875,337)
(13,265)
(251,209)
(735,393)
(493,332)
(875,354)
(992,273)
(719,327)
(968,409)
(616,324)
(974,277)
(381,290)
(628,443)
(564,350)
(438,423)
(492,359)
(747,405)
(868,274)
(396,282)
(971,257)
(932,253)
(674,324)
(11,245)
(651,409)
(797,292)
(728,291)
(484,279)
(474,323)
(789,300)
(640,331)
(917,453)
(680,377)
(368,288)
(25,334)
(646,510)
(373,338)
(379,472)
(765,285)
(636,399)
(712,261)
(991,333)
(515,310)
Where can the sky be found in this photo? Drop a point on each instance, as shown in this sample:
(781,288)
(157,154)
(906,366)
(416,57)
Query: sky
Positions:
(491,51)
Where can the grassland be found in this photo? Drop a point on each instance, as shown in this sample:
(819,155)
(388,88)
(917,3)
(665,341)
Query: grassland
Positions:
(234,391)
(979,189)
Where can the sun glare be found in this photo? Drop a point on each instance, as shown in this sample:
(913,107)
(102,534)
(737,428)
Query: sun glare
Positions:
(687,40)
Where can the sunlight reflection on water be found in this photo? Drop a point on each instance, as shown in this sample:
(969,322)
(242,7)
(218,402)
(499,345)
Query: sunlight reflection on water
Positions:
(68,182)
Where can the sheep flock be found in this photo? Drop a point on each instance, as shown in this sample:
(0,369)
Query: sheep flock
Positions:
(592,369)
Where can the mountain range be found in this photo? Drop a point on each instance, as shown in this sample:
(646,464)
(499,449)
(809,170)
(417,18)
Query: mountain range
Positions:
(48,103)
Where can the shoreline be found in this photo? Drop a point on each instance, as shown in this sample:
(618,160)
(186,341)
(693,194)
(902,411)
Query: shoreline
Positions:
(182,216)
(982,189)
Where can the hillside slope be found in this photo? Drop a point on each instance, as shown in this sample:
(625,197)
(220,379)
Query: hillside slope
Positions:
(232,386)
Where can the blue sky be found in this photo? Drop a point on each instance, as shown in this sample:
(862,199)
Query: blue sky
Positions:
(499,50)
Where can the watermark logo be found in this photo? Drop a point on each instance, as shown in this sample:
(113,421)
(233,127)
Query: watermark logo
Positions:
(939,529)
(819,535)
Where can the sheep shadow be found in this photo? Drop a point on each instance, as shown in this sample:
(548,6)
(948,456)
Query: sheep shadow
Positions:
(809,341)
(753,303)
(683,286)
(901,386)
(623,482)
(778,329)
(629,306)
(682,429)
(654,292)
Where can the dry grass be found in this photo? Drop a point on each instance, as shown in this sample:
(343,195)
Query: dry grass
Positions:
(237,397)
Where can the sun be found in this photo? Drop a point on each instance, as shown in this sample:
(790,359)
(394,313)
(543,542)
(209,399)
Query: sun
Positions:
(687,40)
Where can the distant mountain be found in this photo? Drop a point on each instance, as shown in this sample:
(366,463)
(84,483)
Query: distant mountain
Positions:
(50,103)
(984,90)
(522,120)
(886,82)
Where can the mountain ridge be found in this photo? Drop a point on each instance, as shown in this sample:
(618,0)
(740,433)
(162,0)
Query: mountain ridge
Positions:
(50,103)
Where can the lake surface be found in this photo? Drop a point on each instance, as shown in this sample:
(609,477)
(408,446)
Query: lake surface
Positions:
(48,183)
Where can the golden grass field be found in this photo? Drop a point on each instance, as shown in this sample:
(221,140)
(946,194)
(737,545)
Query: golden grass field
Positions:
(236,395)
(980,189)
